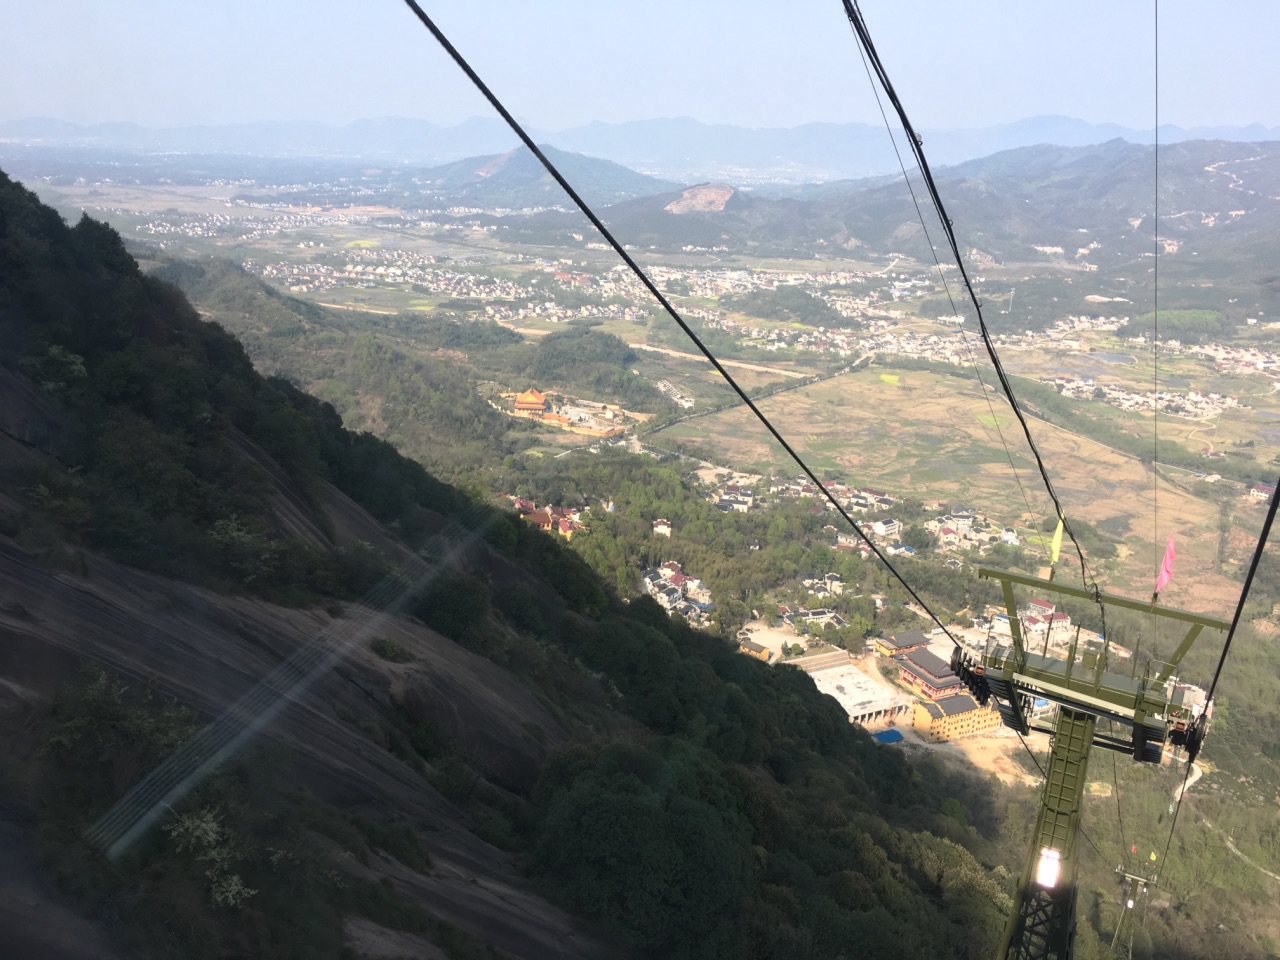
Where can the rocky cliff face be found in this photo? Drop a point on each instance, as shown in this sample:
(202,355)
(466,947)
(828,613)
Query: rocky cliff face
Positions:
(210,650)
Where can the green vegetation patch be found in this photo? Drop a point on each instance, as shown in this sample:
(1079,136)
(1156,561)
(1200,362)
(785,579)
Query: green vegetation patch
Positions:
(1188,326)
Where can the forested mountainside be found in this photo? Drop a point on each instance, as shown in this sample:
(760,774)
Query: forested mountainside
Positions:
(411,379)
(503,732)
(1012,206)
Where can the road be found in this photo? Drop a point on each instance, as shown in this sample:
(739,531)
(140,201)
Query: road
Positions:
(350,306)
(742,364)
(800,385)
(1196,774)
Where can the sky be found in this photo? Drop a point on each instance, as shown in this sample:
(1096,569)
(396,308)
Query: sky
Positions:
(563,63)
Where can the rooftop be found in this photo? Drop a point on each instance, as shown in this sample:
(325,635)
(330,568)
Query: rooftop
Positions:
(908,638)
(938,683)
(960,703)
(928,661)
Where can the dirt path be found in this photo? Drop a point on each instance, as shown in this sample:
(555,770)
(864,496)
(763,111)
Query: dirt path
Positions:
(348,306)
(776,640)
(527,331)
(1236,850)
(1196,774)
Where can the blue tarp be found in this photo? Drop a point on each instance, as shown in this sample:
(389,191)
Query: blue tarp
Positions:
(887,736)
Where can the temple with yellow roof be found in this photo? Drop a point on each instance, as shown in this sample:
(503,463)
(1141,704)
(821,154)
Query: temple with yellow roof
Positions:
(531,401)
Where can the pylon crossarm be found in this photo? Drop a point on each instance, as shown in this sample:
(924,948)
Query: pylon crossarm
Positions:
(1108,599)
(1092,687)
(1115,696)
(1042,923)
(1178,654)
(1015,625)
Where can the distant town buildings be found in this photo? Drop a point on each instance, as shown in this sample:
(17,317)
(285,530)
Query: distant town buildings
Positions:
(566,521)
(678,593)
(734,497)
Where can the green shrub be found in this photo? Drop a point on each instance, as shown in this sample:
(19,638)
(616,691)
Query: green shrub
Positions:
(389,649)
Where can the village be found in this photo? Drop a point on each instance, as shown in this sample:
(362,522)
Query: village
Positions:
(1192,404)
(872,301)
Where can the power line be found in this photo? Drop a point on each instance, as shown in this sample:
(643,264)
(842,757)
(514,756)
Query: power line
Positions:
(1115,785)
(1155,310)
(1244,594)
(1155,371)
(644,278)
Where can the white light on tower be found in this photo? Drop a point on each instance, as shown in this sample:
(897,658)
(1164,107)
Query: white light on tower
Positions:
(1047,868)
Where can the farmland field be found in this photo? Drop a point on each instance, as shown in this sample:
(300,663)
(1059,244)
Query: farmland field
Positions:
(934,437)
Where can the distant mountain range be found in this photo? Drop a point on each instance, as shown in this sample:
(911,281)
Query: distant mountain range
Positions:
(1219,202)
(680,149)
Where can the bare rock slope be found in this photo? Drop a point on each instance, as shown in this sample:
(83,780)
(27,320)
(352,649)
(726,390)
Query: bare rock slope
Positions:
(208,650)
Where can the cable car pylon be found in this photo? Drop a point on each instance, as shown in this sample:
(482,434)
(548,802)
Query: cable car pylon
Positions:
(1041,925)
(1122,940)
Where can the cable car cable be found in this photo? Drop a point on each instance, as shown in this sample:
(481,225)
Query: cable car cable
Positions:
(644,278)
(1226,646)
(854,15)
(867,51)
(947,289)
(662,300)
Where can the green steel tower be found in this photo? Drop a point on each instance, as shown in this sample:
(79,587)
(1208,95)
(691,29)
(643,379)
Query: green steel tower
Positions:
(1148,703)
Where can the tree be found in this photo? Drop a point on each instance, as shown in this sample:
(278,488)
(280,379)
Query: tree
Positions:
(917,537)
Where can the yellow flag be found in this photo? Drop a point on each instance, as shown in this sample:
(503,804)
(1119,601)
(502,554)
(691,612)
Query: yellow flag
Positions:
(1056,546)
(1153,855)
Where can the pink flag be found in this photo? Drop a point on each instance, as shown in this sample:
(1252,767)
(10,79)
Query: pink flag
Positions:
(1166,568)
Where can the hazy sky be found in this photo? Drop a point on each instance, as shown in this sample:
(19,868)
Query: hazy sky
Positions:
(560,63)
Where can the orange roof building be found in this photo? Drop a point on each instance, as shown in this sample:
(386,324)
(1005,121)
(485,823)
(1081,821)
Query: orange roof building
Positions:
(532,401)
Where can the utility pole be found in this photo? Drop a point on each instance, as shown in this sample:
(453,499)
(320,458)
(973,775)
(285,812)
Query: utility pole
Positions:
(1042,923)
